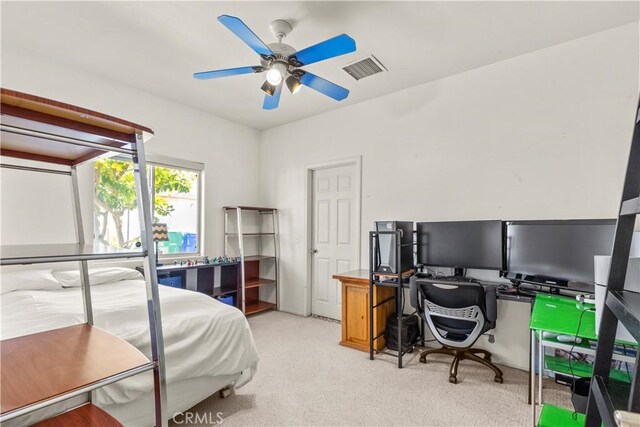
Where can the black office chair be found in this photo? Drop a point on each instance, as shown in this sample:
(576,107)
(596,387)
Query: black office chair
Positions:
(457,314)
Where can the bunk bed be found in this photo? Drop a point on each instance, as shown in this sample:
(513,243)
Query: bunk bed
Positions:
(53,368)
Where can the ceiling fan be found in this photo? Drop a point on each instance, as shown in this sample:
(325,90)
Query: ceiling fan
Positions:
(282,62)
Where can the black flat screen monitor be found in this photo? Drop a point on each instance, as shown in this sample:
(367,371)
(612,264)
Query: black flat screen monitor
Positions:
(556,253)
(460,244)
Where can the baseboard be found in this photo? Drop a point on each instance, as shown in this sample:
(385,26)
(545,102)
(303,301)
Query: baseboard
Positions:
(295,312)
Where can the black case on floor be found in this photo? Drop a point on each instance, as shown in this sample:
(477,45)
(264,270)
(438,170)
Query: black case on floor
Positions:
(410,332)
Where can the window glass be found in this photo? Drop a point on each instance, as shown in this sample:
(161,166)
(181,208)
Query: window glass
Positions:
(175,202)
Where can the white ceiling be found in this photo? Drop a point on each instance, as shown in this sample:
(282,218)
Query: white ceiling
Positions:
(156,46)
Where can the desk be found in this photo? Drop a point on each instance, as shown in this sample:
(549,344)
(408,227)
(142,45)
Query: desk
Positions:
(355,308)
(563,316)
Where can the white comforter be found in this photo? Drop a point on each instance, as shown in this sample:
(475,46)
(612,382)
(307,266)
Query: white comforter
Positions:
(202,336)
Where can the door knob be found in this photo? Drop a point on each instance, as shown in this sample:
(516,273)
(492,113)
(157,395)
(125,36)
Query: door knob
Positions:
(314,251)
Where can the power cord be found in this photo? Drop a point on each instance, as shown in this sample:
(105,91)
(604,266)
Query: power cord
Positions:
(574,415)
(431,272)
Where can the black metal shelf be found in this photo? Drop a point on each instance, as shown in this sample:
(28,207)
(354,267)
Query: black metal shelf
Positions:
(610,397)
(390,283)
(603,401)
(607,395)
(626,306)
(395,281)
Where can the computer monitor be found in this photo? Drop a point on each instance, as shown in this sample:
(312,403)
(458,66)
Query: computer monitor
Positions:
(460,244)
(556,253)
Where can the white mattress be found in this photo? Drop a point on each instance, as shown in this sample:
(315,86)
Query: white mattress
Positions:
(203,337)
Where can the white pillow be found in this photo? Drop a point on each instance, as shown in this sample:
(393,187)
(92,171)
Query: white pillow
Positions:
(97,276)
(23,280)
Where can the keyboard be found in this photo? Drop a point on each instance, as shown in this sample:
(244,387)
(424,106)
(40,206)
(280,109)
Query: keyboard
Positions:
(450,279)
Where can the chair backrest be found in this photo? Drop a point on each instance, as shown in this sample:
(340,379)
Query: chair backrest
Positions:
(457,309)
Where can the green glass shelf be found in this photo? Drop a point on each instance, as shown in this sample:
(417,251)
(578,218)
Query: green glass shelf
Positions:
(584,344)
(579,369)
(561,315)
(553,416)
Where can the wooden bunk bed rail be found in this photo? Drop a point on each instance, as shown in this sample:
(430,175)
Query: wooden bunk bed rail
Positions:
(28,123)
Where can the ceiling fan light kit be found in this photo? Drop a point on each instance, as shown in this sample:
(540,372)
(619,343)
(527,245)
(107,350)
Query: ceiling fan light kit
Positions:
(282,62)
(276,72)
(268,88)
(293,84)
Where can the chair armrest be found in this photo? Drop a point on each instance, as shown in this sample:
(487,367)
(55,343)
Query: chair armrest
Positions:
(491,304)
(413,293)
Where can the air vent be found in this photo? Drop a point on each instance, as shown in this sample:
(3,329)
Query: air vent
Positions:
(364,68)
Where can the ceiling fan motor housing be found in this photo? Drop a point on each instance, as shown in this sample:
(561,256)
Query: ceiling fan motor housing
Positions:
(282,52)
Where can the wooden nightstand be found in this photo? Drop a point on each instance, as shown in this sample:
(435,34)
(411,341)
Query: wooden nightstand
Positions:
(355,310)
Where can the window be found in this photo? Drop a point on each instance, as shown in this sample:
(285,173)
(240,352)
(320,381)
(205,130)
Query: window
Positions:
(175,199)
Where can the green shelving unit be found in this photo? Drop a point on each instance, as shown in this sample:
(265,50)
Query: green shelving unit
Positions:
(554,416)
(579,369)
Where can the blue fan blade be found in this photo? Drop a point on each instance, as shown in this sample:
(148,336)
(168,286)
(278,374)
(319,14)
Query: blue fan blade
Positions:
(339,45)
(239,28)
(271,101)
(323,86)
(226,72)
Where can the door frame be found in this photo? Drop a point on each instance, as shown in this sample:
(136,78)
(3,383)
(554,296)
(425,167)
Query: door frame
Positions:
(308,235)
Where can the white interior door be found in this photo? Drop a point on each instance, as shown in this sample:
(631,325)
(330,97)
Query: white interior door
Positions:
(334,241)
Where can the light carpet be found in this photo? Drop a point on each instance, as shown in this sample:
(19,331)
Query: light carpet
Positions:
(305,378)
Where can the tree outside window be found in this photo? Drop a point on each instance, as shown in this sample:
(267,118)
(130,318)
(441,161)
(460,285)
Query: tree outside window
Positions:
(174,197)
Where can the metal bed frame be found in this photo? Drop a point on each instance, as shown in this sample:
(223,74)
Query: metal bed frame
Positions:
(81,252)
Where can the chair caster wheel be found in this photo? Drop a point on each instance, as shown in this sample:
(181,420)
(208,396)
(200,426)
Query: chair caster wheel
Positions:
(224,393)
(423,359)
(453,379)
(498,380)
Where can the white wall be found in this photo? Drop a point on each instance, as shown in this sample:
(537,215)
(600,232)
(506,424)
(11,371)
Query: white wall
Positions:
(543,135)
(230,151)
